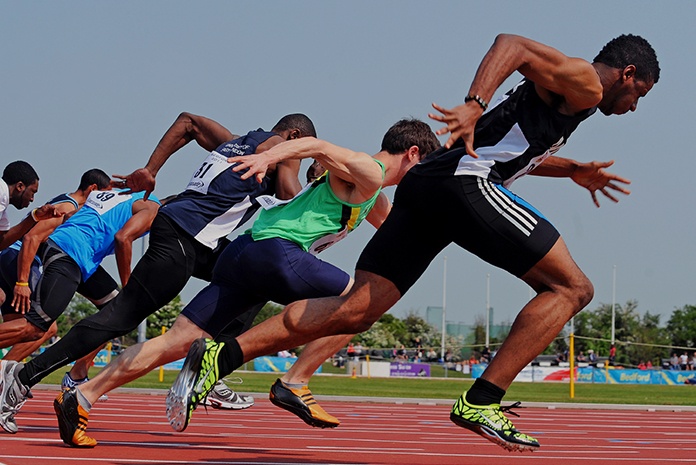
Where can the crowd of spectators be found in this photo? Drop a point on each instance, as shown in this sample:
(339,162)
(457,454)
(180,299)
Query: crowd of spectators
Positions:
(417,354)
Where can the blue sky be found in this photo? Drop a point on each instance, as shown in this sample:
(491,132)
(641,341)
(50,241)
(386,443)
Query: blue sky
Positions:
(96,84)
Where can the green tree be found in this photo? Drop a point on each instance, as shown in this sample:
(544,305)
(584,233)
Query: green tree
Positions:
(378,336)
(268,310)
(478,335)
(681,326)
(165,316)
(419,329)
(77,309)
(630,328)
(396,327)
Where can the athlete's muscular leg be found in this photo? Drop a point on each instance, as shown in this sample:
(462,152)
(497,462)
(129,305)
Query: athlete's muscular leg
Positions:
(314,354)
(307,320)
(80,369)
(142,358)
(18,330)
(562,291)
(157,278)
(24,349)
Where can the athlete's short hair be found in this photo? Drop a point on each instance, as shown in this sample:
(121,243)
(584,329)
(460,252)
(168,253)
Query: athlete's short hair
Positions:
(296,121)
(94,176)
(629,49)
(409,132)
(19,171)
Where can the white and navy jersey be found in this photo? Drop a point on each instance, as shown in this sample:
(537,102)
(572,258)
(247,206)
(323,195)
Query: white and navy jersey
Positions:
(217,201)
(515,136)
(88,236)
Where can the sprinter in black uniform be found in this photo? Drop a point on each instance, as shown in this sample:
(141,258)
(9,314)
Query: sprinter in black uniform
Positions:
(459,194)
(186,237)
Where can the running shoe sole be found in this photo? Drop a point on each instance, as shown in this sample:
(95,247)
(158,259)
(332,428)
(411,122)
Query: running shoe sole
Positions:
(179,409)
(491,435)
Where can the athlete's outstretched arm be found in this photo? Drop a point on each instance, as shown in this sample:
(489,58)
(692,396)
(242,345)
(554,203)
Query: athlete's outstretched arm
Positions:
(44,212)
(593,176)
(208,133)
(144,212)
(356,168)
(553,72)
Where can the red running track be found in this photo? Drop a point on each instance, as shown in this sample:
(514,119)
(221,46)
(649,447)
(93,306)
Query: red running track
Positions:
(132,429)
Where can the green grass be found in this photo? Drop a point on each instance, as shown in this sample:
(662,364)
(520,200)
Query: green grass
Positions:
(444,388)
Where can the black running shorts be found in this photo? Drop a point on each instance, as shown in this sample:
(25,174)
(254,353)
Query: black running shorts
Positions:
(430,212)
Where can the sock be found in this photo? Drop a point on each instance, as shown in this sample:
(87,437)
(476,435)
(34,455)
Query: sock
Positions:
(82,400)
(294,385)
(230,357)
(484,392)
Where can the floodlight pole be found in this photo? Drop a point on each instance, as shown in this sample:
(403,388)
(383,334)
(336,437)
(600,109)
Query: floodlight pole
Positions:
(142,327)
(613,308)
(488,309)
(444,307)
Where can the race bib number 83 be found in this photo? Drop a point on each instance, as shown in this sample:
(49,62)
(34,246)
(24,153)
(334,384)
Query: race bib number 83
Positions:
(103,201)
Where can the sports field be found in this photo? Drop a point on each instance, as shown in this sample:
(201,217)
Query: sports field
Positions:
(132,429)
(446,389)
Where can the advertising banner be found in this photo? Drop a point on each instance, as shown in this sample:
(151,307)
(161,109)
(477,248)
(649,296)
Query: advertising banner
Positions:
(409,369)
(597,375)
(275,364)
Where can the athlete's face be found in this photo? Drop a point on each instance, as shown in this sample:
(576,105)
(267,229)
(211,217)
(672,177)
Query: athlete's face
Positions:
(24,195)
(624,94)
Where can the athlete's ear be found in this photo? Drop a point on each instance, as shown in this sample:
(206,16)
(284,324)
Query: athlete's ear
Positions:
(414,153)
(294,134)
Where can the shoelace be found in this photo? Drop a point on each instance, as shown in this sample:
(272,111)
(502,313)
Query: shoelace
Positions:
(13,409)
(233,380)
(508,408)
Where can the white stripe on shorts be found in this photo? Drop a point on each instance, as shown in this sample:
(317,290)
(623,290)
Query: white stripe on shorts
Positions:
(511,211)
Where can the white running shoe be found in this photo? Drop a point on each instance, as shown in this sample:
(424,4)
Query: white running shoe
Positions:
(69,383)
(13,394)
(223,397)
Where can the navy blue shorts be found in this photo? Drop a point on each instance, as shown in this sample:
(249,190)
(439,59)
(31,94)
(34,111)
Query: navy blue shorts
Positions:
(250,273)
